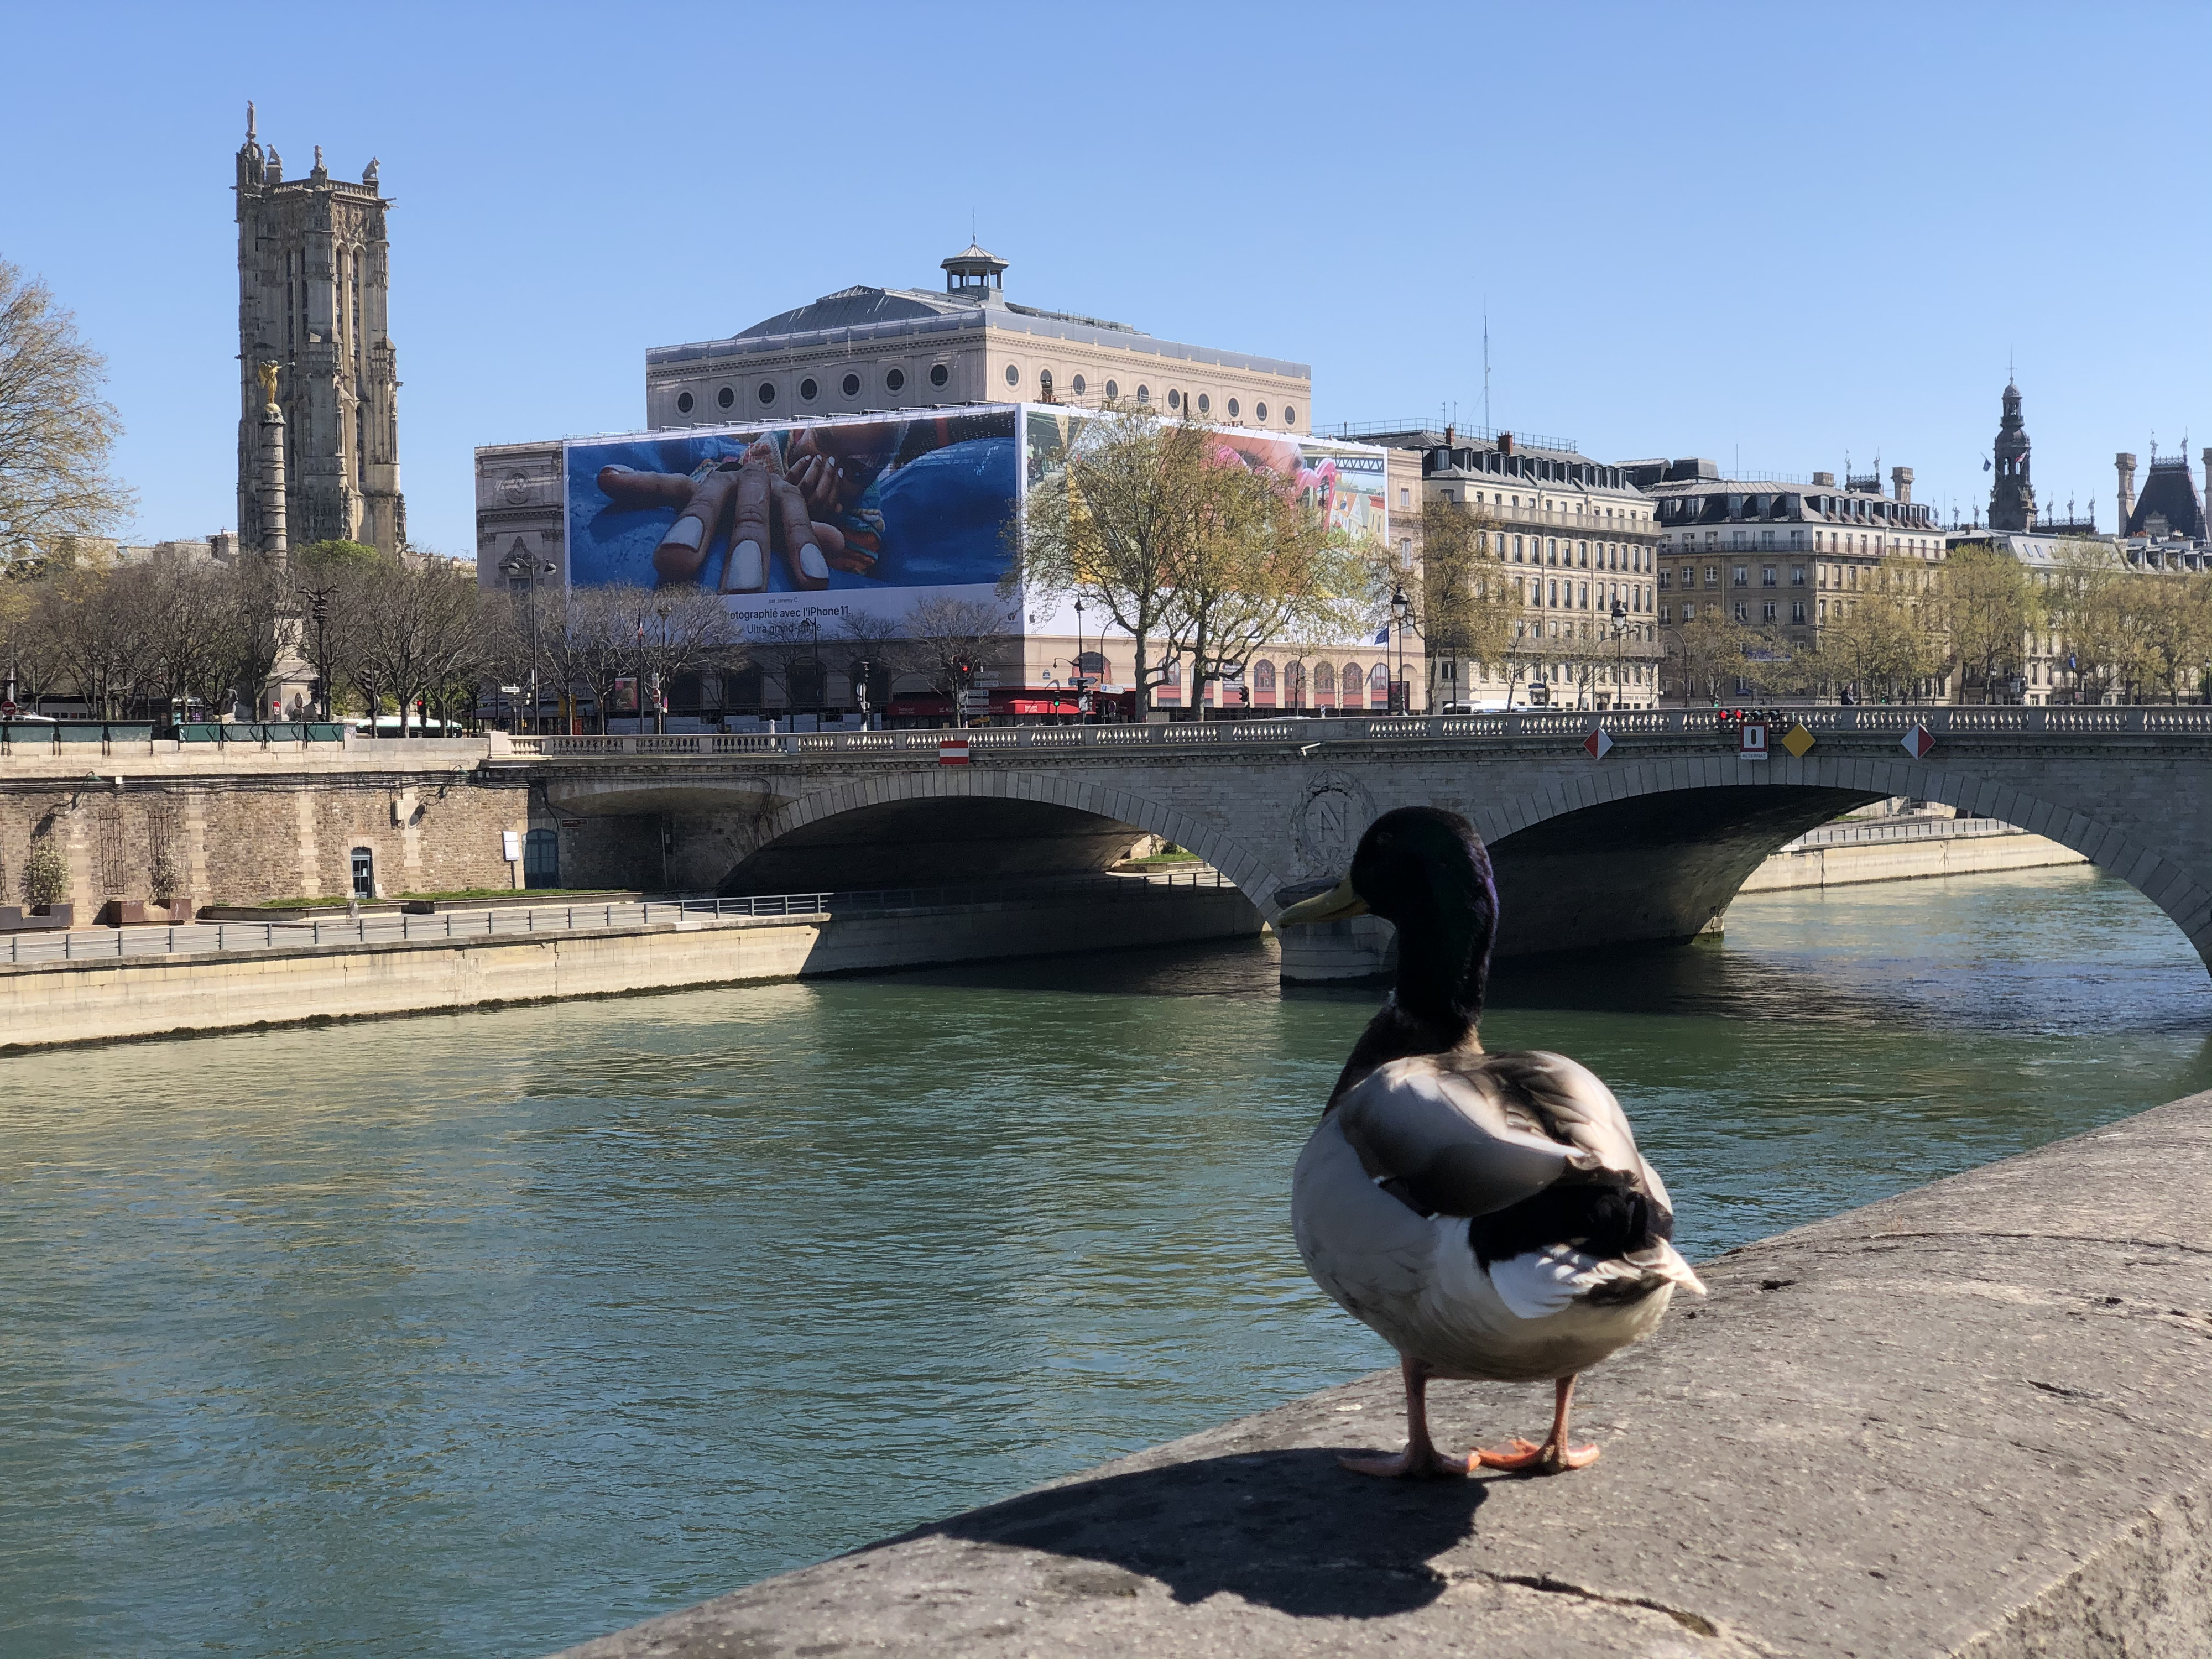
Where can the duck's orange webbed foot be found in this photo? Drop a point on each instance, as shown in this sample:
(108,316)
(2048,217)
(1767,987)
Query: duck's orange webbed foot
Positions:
(1552,1457)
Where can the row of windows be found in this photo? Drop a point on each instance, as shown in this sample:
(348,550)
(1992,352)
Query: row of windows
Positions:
(1826,575)
(1498,501)
(1822,541)
(940,375)
(1545,549)
(1576,595)
(1202,404)
(810,388)
(1769,610)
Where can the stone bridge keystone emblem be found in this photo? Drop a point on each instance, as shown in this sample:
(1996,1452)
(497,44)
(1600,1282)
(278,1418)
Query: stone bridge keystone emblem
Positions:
(1329,822)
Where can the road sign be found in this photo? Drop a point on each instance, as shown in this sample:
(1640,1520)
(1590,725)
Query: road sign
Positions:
(1917,741)
(8,710)
(1797,740)
(952,751)
(1599,743)
(1751,742)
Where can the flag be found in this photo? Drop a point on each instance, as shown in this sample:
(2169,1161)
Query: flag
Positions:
(1985,464)
(1383,638)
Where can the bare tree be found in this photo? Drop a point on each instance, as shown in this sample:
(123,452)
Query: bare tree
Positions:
(1463,603)
(55,432)
(943,633)
(415,628)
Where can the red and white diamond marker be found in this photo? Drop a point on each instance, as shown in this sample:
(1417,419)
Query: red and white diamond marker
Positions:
(1917,741)
(1599,743)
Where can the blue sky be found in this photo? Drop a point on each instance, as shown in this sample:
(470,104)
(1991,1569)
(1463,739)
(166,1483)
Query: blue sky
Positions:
(1770,235)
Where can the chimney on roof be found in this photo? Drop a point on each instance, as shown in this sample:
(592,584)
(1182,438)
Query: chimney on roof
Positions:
(1449,435)
(2124,464)
(1824,480)
(1900,478)
(1505,443)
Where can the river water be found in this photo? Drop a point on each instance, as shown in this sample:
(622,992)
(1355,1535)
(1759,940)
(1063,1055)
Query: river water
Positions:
(478,1335)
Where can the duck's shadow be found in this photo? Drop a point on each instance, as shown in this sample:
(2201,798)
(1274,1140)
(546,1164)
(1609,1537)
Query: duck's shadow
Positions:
(1287,1529)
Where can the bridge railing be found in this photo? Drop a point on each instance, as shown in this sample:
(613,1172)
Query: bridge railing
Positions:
(1519,727)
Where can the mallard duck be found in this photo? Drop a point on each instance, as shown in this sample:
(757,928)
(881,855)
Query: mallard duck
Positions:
(1488,1214)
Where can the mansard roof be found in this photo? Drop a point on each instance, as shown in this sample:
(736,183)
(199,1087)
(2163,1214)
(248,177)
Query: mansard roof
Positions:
(2169,491)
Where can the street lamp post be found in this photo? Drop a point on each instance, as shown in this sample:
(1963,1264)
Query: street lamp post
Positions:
(318,607)
(1619,648)
(1400,699)
(530,570)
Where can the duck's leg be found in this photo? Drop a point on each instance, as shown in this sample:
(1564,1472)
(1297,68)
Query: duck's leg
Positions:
(1555,1454)
(1421,1456)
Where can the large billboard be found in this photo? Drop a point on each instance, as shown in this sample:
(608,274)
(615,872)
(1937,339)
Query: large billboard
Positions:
(1343,482)
(859,518)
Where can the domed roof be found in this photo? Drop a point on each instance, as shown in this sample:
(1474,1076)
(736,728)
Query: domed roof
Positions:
(848,307)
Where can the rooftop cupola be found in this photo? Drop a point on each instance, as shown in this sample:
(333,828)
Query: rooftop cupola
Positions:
(976,275)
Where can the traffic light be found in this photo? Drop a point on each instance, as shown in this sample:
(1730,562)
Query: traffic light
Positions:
(963,669)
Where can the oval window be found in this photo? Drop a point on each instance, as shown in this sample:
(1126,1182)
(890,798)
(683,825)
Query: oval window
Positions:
(1044,384)
(896,379)
(938,375)
(1143,394)
(1233,411)
(808,390)
(1175,398)
(1113,391)
(850,385)
(725,396)
(1014,376)
(1204,404)
(1077,384)
(1261,410)
(1290,415)
(683,403)
(767,393)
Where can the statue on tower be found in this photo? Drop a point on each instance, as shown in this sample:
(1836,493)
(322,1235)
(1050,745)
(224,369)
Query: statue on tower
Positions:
(266,373)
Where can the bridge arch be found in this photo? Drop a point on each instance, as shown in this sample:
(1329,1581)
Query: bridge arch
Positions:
(1044,802)
(1676,838)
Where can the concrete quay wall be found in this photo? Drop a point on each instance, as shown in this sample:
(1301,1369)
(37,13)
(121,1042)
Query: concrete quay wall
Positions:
(52,1004)
(1973,1420)
(1907,860)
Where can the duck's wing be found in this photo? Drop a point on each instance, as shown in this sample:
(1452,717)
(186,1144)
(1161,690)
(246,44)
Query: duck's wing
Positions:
(1473,1134)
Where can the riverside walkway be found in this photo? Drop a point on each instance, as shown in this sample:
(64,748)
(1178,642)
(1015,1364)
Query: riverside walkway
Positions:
(1973,1420)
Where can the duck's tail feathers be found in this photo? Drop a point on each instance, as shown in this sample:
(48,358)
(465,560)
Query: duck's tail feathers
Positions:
(1663,1260)
(1541,1282)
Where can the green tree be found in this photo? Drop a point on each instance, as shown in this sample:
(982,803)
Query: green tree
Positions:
(1983,607)
(1464,602)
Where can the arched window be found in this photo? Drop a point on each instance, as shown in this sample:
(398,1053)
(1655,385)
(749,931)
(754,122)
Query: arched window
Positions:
(1350,679)
(1263,676)
(1294,684)
(1325,679)
(1379,686)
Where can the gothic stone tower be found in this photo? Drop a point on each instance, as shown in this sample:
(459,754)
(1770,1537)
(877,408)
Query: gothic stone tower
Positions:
(2012,497)
(314,270)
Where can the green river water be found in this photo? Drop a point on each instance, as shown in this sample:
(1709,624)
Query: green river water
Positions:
(478,1335)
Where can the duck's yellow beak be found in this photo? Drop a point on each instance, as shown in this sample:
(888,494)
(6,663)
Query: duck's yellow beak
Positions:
(1340,903)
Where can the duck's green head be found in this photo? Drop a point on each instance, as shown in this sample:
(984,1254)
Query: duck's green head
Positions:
(1427,871)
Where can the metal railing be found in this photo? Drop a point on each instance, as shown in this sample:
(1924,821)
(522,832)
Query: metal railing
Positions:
(1889,722)
(1859,835)
(97,944)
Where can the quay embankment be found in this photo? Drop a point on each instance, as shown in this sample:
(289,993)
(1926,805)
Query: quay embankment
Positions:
(296,973)
(1847,853)
(1974,1419)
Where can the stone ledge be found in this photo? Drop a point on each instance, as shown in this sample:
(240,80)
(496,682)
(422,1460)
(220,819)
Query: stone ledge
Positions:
(1973,1419)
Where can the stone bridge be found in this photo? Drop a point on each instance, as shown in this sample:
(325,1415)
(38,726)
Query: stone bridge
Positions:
(1647,844)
